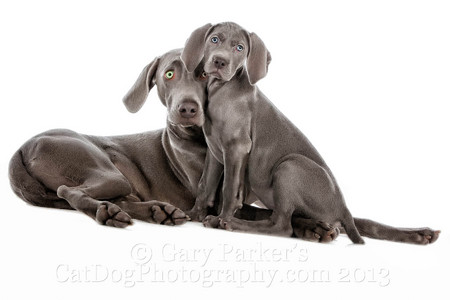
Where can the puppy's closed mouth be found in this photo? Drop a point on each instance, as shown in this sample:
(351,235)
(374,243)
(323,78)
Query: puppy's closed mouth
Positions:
(215,74)
(211,70)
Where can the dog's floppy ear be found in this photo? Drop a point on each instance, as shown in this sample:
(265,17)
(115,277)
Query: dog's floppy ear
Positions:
(137,95)
(194,49)
(258,59)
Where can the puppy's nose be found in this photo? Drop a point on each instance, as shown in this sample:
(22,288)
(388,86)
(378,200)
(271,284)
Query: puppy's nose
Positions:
(219,62)
(188,109)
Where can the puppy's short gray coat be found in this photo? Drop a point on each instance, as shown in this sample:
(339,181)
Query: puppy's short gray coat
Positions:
(257,148)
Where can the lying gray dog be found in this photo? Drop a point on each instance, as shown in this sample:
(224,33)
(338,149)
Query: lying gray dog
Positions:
(257,148)
(115,179)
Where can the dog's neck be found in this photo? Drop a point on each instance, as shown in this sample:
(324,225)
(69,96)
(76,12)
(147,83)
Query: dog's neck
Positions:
(187,133)
(185,148)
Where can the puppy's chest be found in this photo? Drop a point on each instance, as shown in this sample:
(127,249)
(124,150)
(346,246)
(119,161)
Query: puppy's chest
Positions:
(226,120)
(228,109)
(212,134)
(223,116)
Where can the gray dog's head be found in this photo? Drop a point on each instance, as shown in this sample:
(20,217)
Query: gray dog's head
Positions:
(183,93)
(225,48)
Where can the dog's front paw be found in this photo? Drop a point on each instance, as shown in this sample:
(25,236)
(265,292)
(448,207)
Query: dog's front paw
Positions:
(165,213)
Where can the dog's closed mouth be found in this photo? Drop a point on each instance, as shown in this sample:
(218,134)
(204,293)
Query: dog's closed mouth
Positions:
(183,124)
(186,123)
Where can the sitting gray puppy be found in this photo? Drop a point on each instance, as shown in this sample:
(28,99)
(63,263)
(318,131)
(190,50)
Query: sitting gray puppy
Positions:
(258,149)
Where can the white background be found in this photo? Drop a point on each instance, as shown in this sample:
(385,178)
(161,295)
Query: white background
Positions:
(367,82)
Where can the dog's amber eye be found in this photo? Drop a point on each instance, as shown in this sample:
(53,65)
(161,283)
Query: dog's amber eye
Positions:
(239,47)
(169,75)
(203,75)
(215,39)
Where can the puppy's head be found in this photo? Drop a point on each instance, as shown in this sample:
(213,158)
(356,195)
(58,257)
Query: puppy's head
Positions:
(183,93)
(225,48)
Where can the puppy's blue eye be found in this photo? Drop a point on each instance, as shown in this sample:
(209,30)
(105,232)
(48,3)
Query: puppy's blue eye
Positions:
(239,47)
(215,39)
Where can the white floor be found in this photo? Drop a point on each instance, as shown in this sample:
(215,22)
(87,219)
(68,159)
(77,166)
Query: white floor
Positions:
(63,254)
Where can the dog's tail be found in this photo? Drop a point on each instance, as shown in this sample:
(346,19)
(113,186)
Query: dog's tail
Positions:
(29,189)
(375,230)
(350,228)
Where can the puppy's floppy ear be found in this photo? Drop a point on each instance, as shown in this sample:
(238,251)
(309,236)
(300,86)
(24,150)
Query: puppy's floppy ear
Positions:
(258,59)
(194,49)
(137,95)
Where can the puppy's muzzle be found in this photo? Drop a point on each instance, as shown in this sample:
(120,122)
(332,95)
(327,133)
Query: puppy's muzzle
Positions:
(219,62)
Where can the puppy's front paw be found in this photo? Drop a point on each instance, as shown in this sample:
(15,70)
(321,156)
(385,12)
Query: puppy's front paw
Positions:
(225,224)
(211,221)
(197,214)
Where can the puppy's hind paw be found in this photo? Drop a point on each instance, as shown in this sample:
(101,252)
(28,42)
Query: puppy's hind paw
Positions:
(314,231)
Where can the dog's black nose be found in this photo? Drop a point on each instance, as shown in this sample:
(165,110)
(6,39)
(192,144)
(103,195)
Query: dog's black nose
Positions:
(188,109)
(219,62)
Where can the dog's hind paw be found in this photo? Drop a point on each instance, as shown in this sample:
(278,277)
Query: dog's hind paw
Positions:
(111,215)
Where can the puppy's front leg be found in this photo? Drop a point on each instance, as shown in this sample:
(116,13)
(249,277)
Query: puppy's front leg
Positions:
(235,164)
(206,193)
